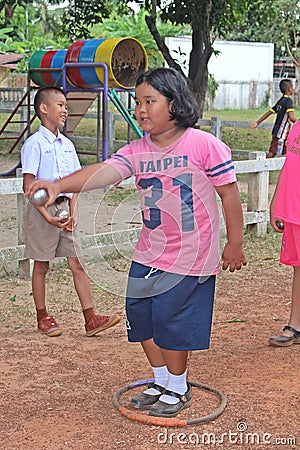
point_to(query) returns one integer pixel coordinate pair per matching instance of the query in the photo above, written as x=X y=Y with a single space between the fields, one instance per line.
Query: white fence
x=255 y=218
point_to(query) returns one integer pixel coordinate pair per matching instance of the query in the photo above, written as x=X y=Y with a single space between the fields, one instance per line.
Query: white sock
x=160 y=378
x=176 y=383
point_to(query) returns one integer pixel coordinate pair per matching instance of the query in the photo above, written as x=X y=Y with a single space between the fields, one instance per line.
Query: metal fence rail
x=255 y=218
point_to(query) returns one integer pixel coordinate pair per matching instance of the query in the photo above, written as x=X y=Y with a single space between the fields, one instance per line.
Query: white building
x=243 y=70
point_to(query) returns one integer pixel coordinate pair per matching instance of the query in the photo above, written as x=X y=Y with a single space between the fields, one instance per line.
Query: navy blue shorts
x=175 y=310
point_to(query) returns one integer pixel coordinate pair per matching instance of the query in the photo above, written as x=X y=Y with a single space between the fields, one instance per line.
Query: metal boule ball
x=280 y=224
x=62 y=213
x=39 y=198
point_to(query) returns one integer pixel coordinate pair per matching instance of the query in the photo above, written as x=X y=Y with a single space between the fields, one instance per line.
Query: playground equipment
x=125 y=58
x=87 y=70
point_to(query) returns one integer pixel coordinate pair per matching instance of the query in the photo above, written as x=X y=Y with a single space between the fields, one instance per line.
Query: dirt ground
x=57 y=393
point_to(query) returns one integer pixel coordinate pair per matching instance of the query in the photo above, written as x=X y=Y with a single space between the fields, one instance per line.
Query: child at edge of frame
x=285 y=219
x=48 y=154
x=171 y=283
x=284 y=111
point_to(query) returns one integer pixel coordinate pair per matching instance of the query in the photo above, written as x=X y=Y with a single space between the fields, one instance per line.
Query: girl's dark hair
x=41 y=97
x=173 y=86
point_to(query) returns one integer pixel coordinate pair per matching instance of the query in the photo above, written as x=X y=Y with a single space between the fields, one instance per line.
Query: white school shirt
x=49 y=157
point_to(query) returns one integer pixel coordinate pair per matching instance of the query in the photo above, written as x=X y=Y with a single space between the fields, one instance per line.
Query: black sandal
x=145 y=401
x=285 y=341
x=162 y=409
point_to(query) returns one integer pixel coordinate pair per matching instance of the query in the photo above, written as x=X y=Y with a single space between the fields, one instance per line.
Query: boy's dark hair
x=284 y=85
x=173 y=86
x=41 y=97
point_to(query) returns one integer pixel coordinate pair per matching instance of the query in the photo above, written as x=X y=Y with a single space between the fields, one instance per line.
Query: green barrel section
x=35 y=63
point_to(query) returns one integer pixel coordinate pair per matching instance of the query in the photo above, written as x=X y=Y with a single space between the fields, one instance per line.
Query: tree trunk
x=198 y=72
x=201 y=49
x=297 y=86
x=9 y=10
x=151 y=23
x=201 y=52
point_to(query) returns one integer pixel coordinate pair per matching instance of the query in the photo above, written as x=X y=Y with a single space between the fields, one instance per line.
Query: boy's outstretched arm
x=261 y=119
x=233 y=255
x=94 y=176
x=292 y=116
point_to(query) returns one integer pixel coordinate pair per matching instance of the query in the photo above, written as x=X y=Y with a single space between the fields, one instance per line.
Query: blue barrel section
x=57 y=62
x=87 y=55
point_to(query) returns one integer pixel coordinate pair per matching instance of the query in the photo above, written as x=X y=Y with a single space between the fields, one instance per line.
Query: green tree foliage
x=28 y=19
x=31 y=27
x=258 y=24
x=8 y=7
x=288 y=32
x=288 y=27
x=274 y=21
x=208 y=19
x=82 y=14
x=134 y=25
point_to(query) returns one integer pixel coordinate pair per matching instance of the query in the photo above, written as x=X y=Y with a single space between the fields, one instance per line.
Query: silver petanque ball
x=39 y=198
x=280 y=224
x=62 y=213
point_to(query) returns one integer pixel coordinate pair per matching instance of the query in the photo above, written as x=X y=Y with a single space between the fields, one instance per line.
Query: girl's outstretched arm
x=233 y=254
x=94 y=176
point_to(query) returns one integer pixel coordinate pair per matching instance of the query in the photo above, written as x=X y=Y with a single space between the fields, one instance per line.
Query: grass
x=262 y=248
x=117 y=194
x=235 y=138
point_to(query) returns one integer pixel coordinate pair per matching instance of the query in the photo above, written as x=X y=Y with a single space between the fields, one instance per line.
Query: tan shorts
x=43 y=241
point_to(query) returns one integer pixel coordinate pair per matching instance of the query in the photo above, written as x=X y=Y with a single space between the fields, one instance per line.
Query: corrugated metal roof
x=8 y=58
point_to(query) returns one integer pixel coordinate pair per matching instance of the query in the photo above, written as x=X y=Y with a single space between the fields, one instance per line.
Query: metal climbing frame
x=76 y=96
x=11 y=119
x=106 y=93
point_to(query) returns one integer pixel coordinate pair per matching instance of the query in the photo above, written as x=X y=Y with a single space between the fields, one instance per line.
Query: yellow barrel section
x=126 y=60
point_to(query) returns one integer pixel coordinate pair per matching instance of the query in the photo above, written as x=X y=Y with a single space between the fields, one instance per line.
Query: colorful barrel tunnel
x=126 y=60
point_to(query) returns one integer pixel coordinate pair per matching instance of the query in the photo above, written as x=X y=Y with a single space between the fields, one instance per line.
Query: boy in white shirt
x=49 y=155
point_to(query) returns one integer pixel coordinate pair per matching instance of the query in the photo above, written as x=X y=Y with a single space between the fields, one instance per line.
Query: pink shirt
x=287 y=206
x=180 y=232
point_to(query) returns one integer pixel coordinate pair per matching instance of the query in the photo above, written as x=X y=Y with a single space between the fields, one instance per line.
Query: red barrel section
x=46 y=64
x=72 y=56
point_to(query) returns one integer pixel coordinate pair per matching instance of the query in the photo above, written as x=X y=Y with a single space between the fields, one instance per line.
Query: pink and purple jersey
x=180 y=232
x=287 y=206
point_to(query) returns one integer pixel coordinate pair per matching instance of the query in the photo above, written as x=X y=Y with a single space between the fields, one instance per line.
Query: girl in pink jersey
x=285 y=210
x=178 y=172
